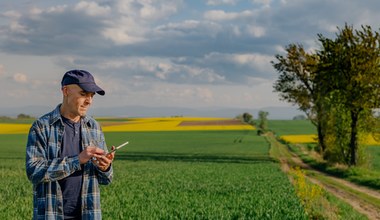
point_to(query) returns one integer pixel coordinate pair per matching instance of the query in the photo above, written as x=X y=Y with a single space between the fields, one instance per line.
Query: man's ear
x=65 y=90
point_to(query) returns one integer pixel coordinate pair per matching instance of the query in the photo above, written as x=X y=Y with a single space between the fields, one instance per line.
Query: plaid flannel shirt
x=44 y=167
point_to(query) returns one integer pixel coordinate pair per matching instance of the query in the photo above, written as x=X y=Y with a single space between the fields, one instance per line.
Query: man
x=66 y=155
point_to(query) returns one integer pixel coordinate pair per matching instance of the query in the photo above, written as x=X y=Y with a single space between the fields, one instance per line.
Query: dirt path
x=346 y=192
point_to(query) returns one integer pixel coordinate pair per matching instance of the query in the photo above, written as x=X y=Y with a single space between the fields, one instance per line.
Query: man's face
x=77 y=100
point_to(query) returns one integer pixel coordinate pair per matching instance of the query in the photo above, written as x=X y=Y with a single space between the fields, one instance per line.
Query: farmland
x=302 y=131
x=217 y=172
x=362 y=196
x=209 y=173
x=374 y=151
x=291 y=127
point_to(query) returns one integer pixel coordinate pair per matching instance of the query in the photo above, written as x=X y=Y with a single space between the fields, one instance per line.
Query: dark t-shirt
x=72 y=185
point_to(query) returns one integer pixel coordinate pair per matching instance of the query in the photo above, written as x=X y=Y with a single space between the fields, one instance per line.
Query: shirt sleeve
x=39 y=168
x=104 y=177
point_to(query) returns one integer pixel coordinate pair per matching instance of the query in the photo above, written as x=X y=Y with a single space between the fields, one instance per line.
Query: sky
x=162 y=53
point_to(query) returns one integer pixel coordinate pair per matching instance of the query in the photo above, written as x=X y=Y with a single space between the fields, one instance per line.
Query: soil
x=364 y=207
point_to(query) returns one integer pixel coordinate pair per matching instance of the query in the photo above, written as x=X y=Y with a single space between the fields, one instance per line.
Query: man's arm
x=41 y=168
x=104 y=167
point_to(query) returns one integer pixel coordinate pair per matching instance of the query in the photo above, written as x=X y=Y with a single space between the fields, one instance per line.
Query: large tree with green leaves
x=297 y=85
x=337 y=87
x=351 y=65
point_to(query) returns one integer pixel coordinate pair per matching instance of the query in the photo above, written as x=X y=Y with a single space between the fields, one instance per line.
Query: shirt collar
x=56 y=116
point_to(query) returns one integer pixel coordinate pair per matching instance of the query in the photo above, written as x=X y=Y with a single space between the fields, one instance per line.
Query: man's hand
x=90 y=152
x=105 y=160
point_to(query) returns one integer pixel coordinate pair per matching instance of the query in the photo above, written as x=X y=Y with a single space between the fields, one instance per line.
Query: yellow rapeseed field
x=305 y=138
x=7 y=128
x=312 y=138
x=174 y=124
x=369 y=140
x=149 y=124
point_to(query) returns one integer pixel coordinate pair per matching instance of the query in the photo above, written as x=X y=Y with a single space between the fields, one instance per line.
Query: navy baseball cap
x=83 y=79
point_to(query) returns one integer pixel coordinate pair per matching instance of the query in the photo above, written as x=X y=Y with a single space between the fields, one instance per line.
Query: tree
x=23 y=116
x=337 y=87
x=297 y=84
x=351 y=64
x=247 y=117
x=299 y=117
x=263 y=121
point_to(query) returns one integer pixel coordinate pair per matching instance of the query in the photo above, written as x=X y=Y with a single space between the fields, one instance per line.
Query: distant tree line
x=262 y=124
x=19 y=116
x=246 y=118
x=24 y=116
x=299 y=117
x=338 y=87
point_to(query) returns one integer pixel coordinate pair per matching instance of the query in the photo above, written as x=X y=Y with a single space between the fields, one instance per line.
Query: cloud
x=92 y=8
x=20 y=78
x=146 y=27
x=257 y=61
x=54 y=30
x=2 y=70
x=233 y=68
x=256 y=31
x=125 y=31
x=205 y=95
x=221 y=2
x=132 y=21
x=200 y=93
x=14 y=25
x=167 y=50
x=220 y=15
x=189 y=29
x=11 y=14
x=154 y=69
x=213 y=68
x=16 y=94
x=264 y=2
x=147 y=10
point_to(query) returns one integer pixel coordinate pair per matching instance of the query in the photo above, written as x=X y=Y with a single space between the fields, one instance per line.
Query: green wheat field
x=173 y=175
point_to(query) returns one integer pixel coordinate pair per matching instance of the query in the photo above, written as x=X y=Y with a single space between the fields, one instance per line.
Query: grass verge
x=318 y=203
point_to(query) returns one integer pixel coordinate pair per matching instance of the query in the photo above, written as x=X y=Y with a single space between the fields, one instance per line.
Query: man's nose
x=89 y=99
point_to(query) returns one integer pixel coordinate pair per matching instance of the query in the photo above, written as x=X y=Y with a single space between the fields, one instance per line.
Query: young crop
x=201 y=190
x=173 y=175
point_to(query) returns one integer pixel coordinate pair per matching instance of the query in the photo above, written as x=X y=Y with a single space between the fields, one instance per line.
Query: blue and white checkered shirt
x=44 y=167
